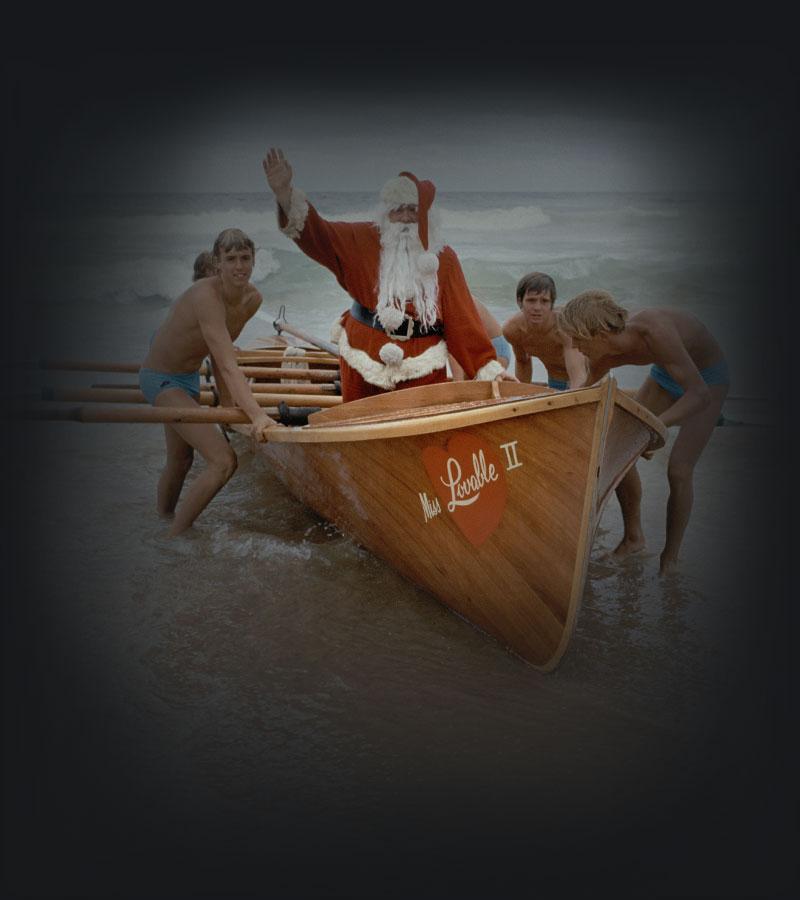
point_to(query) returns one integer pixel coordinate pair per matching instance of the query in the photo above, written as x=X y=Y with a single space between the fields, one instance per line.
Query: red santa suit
x=374 y=360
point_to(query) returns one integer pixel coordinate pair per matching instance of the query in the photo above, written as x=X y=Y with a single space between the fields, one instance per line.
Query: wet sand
x=263 y=707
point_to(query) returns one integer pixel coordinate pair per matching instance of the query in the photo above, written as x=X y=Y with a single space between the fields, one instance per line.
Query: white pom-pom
x=427 y=263
x=391 y=317
x=391 y=354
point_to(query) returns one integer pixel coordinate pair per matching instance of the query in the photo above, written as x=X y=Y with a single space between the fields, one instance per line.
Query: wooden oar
x=274 y=343
x=256 y=388
x=329 y=375
x=280 y=325
x=270 y=356
x=323 y=345
x=112 y=395
x=221 y=415
x=85 y=365
x=274 y=388
x=80 y=365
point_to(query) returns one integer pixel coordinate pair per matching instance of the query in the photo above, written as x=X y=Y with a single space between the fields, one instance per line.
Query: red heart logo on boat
x=470 y=482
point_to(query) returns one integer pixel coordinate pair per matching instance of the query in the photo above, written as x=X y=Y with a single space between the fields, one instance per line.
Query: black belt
x=367 y=317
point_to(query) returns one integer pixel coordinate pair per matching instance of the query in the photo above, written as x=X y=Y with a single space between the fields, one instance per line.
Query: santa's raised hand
x=279 y=175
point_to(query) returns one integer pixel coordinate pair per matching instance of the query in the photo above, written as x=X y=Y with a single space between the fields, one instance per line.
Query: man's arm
x=224 y=395
x=523 y=366
x=575 y=363
x=339 y=246
x=254 y=300
x=596 y=369
x=211 y=319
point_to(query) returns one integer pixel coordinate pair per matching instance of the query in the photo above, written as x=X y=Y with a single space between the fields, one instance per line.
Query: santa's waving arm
x=335 y=245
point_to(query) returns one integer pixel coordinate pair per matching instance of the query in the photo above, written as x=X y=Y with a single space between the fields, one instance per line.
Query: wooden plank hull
x=487 y=502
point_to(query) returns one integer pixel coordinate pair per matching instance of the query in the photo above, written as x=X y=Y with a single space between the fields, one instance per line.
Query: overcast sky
x=152 y=124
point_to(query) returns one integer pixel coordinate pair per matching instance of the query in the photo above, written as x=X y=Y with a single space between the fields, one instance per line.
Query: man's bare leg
x=629 y=494
x=217 y=453
x=629 y=491
x=692 y=438
x=180 y=456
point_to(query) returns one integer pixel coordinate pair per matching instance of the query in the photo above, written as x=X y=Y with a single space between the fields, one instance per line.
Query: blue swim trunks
x=556 y=384
x=152 y=383
x=716 y=374
x=502 y=347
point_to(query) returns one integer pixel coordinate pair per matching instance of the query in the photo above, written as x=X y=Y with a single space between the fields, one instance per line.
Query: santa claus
x=411 y=304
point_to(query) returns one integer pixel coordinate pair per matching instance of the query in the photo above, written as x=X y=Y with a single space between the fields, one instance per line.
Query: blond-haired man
x=686 y=386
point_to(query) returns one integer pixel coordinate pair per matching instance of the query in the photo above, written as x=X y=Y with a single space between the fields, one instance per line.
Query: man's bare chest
x=543 y=346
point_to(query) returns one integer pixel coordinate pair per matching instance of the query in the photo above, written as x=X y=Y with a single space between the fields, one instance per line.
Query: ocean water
x=262 y=706
x=688 y=251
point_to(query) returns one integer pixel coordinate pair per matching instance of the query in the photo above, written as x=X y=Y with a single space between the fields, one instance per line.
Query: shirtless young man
x=500 y=344
x=203 y=320
x=687 y=385
x=533 y=332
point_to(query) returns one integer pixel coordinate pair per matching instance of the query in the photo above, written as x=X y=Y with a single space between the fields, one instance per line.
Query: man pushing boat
x=204 y=320
x=411 y=304
x=686 y=386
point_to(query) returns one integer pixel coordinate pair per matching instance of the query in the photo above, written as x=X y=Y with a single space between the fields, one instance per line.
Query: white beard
x=399 y=281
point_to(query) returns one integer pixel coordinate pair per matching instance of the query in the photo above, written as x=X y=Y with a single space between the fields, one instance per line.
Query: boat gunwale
x=632 y=405
x=442 y=420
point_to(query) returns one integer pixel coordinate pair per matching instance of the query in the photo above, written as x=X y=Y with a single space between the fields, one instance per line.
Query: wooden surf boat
x=485 y=494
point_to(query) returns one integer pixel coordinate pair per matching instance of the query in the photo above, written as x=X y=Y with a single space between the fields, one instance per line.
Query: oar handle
x=280 y=325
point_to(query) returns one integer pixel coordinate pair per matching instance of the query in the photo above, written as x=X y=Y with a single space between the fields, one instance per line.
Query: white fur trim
x=391 y=354
x=388 y=377
x=399 y=191
x=297 y=215
x=336 y=330
x=490 y=371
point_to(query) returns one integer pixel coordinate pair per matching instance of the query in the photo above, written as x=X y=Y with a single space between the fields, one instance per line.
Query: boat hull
x=489 y=504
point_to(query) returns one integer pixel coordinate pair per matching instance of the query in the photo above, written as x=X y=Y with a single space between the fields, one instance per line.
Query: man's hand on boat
x=505 y=375
x=651 y=447
x=261 y=426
